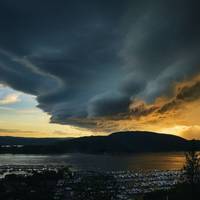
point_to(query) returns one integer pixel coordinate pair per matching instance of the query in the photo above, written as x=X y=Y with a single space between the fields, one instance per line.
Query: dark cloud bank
x=89 y=59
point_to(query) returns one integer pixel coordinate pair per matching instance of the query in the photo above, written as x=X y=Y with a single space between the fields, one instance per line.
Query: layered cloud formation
x=96 y=64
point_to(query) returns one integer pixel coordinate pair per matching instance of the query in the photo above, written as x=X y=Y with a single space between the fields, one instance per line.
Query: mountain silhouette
x=120 y=142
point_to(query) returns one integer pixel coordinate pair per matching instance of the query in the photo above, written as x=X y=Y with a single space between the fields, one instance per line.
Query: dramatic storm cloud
x=87 y=61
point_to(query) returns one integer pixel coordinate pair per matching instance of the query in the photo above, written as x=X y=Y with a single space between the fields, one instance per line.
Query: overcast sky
x=93 y=67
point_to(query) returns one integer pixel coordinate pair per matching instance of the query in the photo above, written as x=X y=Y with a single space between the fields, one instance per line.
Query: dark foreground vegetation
x=182 y=192
x=39 y=186
x=58 y=185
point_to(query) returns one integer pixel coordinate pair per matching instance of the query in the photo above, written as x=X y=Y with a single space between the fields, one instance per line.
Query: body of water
x=144 y=161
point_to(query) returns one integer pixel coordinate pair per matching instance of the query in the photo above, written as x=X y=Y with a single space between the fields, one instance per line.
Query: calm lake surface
x=144 y=161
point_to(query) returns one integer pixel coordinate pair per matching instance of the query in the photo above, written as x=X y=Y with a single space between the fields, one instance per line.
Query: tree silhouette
x=192 y=165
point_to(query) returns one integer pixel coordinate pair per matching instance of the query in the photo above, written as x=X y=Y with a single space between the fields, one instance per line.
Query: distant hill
x=121 y=142
x=127 y=142
x=8 y=140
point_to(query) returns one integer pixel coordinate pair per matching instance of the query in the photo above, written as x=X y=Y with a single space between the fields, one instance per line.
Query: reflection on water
x=145 y=161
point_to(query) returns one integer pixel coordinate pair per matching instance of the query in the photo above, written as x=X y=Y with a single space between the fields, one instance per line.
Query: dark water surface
x=144 y=161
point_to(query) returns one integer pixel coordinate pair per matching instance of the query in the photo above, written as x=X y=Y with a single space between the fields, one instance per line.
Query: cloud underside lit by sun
x=177 y=114
x=95 y=67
